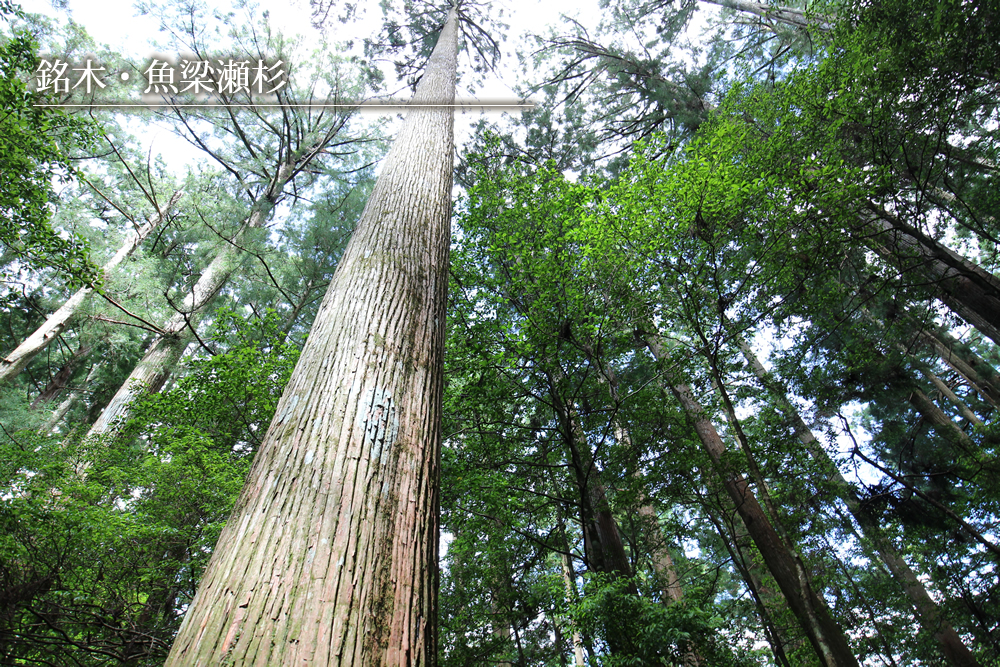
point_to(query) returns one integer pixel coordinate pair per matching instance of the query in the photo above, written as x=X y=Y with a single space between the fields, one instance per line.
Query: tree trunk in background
x=942 y=424
x=734 y=535
x=980 y=375
x=602 y=540
x=927 y=611
x=330 y=556
x=952 y=397
x=967 y=289
x=812 y=613
x=166 y=349
x=57 y=322
x=68 y=402
x=787 y=15
x=61 y=378
x=569 y=582
x=662 y=562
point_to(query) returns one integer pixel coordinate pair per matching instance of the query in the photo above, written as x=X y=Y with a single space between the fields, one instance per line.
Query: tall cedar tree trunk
x=966 y=288
x=160 y=358
x=330 y=556
x=810 y=610
x=928 y=613
x=57 y=322
x=787 y=15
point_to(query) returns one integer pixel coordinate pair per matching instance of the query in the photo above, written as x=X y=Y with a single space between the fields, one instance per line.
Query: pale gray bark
x=165 y=351
x=787 y=15
x=57 y=322
x=570 y=586
x=952 y=397
x=330 y=556
x=979 y=374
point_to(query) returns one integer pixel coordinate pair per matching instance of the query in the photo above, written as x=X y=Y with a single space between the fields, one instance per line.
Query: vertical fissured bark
x=330 y=556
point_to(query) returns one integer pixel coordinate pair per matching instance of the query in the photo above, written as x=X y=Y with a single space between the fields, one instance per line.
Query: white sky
x=115 y=23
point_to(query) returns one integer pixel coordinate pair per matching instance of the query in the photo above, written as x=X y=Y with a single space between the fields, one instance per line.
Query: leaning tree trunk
x=966 y=288
x=810 y=610
x=57 y=322
x=330 y=556
x=163 y=354
x=786 y=15
x=928 y=613
x=946 y=391
x=61 y=379
x=979 y=374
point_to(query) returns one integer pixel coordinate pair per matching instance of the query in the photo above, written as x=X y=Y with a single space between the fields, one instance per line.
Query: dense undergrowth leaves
x=104 y=540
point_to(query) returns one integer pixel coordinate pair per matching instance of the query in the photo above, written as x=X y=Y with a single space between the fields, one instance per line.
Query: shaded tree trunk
x=943 y=424
x=980 y=375
x=662 y=562
x=61 y=378
x=747 y=568
x=967 y=289
x=57 y=322
x=928 y=613
x=952 y=397
x=68 y=402
x=824 y=633
x=330 y=556
x=602 y=542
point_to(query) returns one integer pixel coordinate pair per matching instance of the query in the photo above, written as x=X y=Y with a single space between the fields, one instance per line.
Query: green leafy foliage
x=104 y=541
x=36 y=146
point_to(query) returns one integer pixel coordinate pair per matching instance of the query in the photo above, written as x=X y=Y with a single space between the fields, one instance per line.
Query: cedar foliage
x=820 y=188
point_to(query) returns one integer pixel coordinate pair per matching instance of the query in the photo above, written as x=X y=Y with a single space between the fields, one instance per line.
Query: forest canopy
x=718 y=321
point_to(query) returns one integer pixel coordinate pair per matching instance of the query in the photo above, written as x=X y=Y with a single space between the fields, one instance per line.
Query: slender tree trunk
x=602 y=540
x=824 y=633
x=748 y=571
x=501 y=630
x=68 y=402
x=928 y=613
x=61 y=378
x=57 y=322
x=980 y=375
x=787 y=15
x=569 y=581
x=160 y=359
x=330 y=556
x=952 y=397
x=943 y=424
x=663 y=564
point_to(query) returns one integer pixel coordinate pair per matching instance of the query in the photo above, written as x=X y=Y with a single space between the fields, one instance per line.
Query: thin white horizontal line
x=375 y=105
